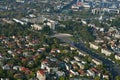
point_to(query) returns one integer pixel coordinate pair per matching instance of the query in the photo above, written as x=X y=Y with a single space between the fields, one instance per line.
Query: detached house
x=36 y=27
x=117 y=56
x=94 y=46
x=6 y=67
x=90 y=73
x=41 y=75
x=49 y=66
x=82 y=53
x=106 y=52
x=97 y=62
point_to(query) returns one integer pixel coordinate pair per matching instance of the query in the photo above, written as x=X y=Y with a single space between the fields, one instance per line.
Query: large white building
x=36 y=27
x=106 y=52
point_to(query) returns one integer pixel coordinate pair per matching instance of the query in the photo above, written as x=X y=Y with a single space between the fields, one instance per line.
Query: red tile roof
x=42 y=72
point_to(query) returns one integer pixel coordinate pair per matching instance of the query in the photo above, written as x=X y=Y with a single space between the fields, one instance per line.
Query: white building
x=86 y=5
x=49 y=66
x=20 y=1
x=36 y=27
x=6 y=67
x=90 y=73
x=106 y=52
x=80 y=65
x=82 y=53
x=97 y=62
x=19 y=21
x=117 y=56
x=17 y=67
x=51 y=23
x=76 y=58
x=93 y=46
x=116 y=35
x=60 y=73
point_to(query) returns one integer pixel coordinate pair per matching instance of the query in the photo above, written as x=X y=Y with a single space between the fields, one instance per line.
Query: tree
x=46 y=29
x=1 y=72
x=117 y=78
x=97 y=78
x=62 y=78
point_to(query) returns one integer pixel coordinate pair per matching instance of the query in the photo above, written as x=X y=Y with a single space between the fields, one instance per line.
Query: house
x=40 y=50
x=80 y=65
x=16 y=67
x=19 y=21
x=106 y=76
x=20 y=1
x=83 y=62
x=97 y=72
x=81 y=72
x=82 y=53
x=4 y=79
x=90 y=73
x=54 y=50
x=41 y=75
x=7 y=21
x=93 y=46
x=66 y=59
x=117 y=56
x=73 y=73
x=67 y=67
x=9 y=52
x=99 y=40
x=73 y=48
x=76 y=58
x=84 y=22
x=116 y=35
x=60 y=73
x=26 y=54
x=51 y=23
x=73 y=62
x=6 y=67
x=97 y=62
x=50 y=66
x=106 y=52
x=25 y=70
x=36 y=27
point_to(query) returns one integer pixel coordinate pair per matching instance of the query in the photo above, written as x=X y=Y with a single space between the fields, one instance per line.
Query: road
x=113 y=68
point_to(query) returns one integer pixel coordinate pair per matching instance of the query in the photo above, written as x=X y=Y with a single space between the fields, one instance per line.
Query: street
x=110 y=66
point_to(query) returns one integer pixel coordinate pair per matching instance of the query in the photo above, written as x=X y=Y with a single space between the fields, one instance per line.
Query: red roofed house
x=41 y=75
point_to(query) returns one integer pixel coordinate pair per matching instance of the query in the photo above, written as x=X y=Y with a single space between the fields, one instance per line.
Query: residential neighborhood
x=59 y=39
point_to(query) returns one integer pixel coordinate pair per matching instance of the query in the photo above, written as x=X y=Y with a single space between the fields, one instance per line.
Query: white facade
x=96 y=61
x=80 y=65
x=117 y=57
x=36 y=27
x=82 y=53
x=106 y=52
x=93 y=46
x=90 y=73
x=116 y=35
x=48 y=67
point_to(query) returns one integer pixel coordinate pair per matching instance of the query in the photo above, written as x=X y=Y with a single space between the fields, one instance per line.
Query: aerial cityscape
x=59 y=39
